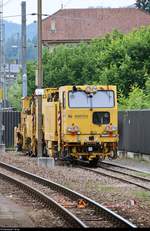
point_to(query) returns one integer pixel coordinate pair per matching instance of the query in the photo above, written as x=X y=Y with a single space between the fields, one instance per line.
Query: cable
x=12 y=16
x=19 y=15
x=66 y=17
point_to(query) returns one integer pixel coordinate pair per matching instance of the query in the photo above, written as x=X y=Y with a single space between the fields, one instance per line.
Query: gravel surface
x=34 y=213
x=130 y=171
x=88 y=215
x=132 y=177
x=142 y=165
x=127 y=200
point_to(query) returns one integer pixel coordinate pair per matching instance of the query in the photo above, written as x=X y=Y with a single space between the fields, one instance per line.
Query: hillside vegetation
x=13 y=42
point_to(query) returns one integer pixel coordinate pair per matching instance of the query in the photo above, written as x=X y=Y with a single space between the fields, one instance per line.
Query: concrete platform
x=11 y=215
x=133 y=160
x=134 y=156
x=46 y=162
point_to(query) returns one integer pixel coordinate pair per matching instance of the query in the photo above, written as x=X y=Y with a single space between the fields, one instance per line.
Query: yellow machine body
x=79 y=122
x=1 y=94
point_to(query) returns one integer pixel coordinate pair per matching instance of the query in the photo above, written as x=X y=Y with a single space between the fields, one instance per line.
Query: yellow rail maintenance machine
x=79 y=123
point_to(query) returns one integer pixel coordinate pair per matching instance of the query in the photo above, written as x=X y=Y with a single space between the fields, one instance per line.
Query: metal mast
x=24 y=47
x=1 y=48
x=1 y=68
x=40 y=79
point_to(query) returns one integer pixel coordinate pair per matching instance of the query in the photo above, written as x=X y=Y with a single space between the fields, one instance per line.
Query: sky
x=13 y=7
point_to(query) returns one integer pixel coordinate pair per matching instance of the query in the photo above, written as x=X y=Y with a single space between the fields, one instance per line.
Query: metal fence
x=134 y=131
x=10 y=121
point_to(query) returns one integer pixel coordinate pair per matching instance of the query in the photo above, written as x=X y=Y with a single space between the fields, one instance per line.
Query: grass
x=106 y=189
x=99 y=187
x=143 y=174
x=142 y=195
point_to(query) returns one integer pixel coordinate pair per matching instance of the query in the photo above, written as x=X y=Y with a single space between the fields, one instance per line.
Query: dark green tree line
x=116 y=59
x=143 y=4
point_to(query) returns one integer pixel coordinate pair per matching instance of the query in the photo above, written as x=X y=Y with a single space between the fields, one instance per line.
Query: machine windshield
x=100 y=99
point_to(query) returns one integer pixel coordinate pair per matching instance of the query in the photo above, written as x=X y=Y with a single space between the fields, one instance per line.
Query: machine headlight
x=111 y=128
x=69 y=129
x=73 y=129
x=94 y=89
x=114 y=128
x=76 y=128
x=88 y=89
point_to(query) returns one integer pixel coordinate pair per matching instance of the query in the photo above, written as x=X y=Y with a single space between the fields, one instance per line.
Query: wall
x=10 y=121
x=134 y=131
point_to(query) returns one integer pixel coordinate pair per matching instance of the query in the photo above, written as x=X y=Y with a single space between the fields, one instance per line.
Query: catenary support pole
x=24 y=48
x=39 y=81
x=1 y=68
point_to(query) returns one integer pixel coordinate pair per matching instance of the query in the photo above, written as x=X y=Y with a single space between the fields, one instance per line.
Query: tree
x=136 y=100
x=31 y=75
x=116 y=59
x=143 y=4
x=15 y=93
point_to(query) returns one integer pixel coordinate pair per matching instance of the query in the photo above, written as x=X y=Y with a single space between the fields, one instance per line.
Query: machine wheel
x=45 y=150
x=113 y=154
x=19 y=147
x=93 y=163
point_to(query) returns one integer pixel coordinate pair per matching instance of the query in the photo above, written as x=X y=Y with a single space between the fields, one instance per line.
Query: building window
x=53 y=26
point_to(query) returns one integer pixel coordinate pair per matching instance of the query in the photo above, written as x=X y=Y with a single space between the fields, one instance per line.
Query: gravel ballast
x=127 y=200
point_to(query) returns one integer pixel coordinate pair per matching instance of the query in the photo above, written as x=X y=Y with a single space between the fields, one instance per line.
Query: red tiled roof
x=84 y=24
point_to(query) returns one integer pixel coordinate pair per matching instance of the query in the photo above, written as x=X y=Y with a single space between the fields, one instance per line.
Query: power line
x=47 y=15
x=60 y=16
x=12 y=16
x=19 y=15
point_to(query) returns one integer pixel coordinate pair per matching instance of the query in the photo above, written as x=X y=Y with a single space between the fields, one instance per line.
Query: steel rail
x=49 y=202
x=72 y=194
x=123 y=167
x=126 y=174
x=116 y=177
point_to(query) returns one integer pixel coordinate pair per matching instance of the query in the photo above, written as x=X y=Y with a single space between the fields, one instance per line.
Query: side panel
x=50 y=121
x=29 y=126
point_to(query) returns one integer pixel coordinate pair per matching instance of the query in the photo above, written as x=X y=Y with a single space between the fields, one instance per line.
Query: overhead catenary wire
x=66 y=17
x=19 y=15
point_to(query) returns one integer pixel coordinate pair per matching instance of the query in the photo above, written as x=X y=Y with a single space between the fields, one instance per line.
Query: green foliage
x=116 y=59
x=15 y=91
x=143 y=4
x=15 y=94
x=31 y=73
x=135 y=100
x=69 y=65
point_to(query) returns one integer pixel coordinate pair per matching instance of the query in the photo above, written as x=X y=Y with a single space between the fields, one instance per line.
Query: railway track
x=75 y=208
x=124 y=174
x=117 y=166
